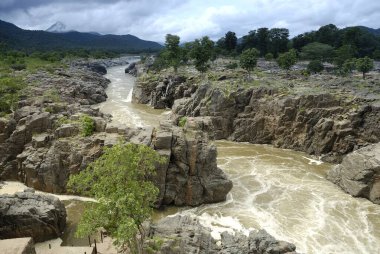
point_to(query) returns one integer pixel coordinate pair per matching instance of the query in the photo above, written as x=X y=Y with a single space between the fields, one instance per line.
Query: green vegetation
x=87 y=125
x=9 y=92
x=173 y=51
x=317 y=51
x=315 y=66
x=119 y=181
x=268 y=56
x=287 y=60
x=364 y=65
x=248 y=59
x=348 y=66
x=201 y=52
x=182 y=121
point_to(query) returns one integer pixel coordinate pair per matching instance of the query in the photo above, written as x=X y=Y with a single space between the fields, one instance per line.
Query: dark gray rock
x=185 y=234
x=192 y=176
x=26 y=214
x=359 y=173
x=98 y=68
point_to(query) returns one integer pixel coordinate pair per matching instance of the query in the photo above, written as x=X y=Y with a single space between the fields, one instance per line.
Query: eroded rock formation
x=26 y=214
x=185 y=234
x=359 y=173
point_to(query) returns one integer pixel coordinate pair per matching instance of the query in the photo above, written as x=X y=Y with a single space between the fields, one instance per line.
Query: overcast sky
x=153 y=19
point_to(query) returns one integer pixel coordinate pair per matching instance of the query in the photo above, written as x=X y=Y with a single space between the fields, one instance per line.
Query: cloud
x=153 y=19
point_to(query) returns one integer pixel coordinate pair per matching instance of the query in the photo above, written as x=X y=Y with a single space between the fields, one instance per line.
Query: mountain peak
x=57 y=27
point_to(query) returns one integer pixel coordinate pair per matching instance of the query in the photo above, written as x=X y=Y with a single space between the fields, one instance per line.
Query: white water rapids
x=281 y=191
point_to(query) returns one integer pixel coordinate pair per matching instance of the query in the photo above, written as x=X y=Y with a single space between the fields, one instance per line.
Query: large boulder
x=359 y=173
x=185 y=234
x=26 y=214
x=191 y=176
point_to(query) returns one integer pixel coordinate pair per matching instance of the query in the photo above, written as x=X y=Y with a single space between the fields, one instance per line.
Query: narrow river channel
x=282 y=191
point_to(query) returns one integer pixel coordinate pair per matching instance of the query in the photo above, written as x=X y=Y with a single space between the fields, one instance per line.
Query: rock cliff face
x=26 y=214
x=41 y=143
x=191 y=176
x=318 y=124
x=185 y=234
x=359 y=173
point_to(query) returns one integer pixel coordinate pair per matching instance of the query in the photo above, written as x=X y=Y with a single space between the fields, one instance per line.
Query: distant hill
x=370 y=30
x=21 y=39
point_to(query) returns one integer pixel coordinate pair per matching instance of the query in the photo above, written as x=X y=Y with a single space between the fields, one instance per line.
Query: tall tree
x=230 y=41
x=262 y=40
x=278 y=40
x=118 y=180
x=173 y=51
x=327 y=34
x=249 y=40
x=302 y=40
x=201 y=52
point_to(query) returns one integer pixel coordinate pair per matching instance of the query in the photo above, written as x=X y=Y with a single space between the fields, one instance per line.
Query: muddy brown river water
x=285 y=192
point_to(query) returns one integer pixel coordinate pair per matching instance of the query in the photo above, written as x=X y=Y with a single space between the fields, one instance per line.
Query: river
x=282 y=191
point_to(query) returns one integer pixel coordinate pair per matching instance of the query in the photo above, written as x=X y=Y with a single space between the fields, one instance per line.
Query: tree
x=364 y=65
x=287 y=60
x=269 y=56
x=376 y=54
x=249 y=40
x=315 y=66
x=262 y=40
x=201 y=52
x=348 y=66
x=173 y=51
x=343 y=54
x=327 y=34
x=278 y=40
x=119 y=181
x=317 y=51
x=248 y=59
x=303 y=39
x=230 y=41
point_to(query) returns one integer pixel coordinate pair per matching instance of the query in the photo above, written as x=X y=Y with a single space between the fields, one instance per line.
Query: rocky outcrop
x=26 y=214
x=191 y=176
x=162 y=94
x=41 y=143
x=185 y=234
x=359 y=173
x=318 y=124
x=131 y=69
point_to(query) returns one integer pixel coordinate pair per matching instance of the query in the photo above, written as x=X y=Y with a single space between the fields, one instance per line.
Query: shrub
x=315 y=66
x=268 y=56
x=87 y=125
x=182 y=121
x=232 y=66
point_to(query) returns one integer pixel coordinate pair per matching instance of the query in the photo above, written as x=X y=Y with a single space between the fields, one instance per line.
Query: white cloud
x=189 y=19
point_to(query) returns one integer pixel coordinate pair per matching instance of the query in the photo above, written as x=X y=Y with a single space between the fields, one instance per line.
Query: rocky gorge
x=318 y=117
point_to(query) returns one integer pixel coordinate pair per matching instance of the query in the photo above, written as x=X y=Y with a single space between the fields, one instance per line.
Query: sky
x=190 y=19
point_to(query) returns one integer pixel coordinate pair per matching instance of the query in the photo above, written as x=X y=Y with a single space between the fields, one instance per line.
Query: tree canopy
x=287 y=60
x=119 y=181
x=364 y=65
x=248 y=59
x=202 y=51
x=173 y=51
